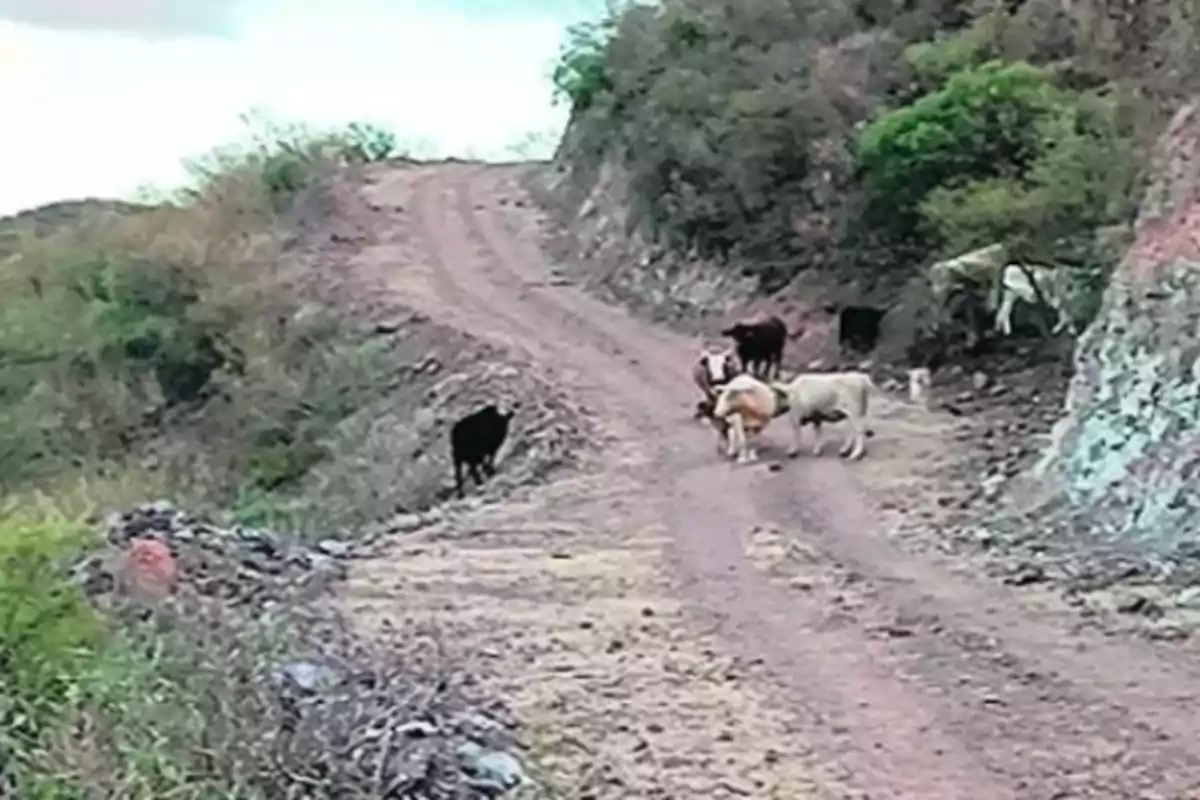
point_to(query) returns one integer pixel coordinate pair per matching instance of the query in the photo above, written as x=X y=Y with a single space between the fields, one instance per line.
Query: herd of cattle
x=742 y=393
x=742 y=390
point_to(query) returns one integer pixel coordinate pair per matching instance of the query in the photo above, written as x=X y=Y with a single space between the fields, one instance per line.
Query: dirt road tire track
x=913 y=682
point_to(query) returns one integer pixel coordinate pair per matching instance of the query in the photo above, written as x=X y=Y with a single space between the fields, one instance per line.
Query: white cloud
x=153 y=18
x=96 y=113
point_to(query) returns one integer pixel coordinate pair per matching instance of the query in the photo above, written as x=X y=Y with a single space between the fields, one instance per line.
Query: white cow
x=747 y=405
x=1005 y=283
x=977 y=268
x=1017 y=282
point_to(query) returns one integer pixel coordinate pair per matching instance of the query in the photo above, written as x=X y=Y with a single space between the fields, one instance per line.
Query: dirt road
x=685 y=628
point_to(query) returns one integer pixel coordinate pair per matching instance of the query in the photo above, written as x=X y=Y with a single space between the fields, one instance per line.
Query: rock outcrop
x=1127 y=451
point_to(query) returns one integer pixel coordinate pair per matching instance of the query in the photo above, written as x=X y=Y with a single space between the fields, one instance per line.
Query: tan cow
x=747 y=405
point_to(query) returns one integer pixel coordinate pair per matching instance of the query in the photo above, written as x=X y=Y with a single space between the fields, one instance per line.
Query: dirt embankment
x=670 y=626
x=392 y=456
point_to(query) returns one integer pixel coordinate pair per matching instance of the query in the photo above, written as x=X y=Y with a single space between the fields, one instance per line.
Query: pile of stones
x=348 y=717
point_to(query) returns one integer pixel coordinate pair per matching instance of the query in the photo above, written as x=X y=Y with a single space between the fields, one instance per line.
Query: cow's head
x=506 y=409
x=719 y=367
x=736 y=331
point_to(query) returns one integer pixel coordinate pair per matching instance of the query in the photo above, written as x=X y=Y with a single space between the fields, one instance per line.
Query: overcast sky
x=100 y=98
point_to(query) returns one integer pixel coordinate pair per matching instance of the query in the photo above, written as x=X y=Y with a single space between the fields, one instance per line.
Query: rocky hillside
x=1128 y=451
x=729 y=158
x=823 y=155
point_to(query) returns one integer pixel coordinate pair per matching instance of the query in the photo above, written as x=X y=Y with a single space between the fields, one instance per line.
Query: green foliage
x=143 y=702
x=170 y=704
x=868 y=136
x=934 y=62
x=983 y=124
x=999 y=154
x=282 y=454
x=177 y=710
x=1083 y=178
x=981 y=212
x=118 y=329
x=288 y=157
x=48 y=632
x=580 y=74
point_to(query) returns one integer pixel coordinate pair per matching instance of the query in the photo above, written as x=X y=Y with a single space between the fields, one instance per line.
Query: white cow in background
x=1004 y=283
x=1025 y=282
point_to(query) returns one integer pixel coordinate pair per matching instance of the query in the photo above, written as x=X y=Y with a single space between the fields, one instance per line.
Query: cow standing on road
x=474 y=442
x=759 y=345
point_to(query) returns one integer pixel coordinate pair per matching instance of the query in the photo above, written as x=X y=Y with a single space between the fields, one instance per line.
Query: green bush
x=983 y=124
x=142 y=702
x=172 y=705
x=1083 y=179
x=170 y=327
x=49 y=635
x=289 y=157
x=580 y=75
x=999 y=154
x=934 y=62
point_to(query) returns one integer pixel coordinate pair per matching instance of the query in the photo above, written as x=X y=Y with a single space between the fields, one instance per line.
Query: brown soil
x=676 y=627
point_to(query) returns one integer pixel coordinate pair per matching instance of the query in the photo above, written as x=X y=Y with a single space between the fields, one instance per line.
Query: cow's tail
x=869 y=388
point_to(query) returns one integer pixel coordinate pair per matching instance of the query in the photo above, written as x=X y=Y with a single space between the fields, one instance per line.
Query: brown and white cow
x=710 y=372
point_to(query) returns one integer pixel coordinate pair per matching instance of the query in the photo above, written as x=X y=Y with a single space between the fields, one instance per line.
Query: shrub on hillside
x=48 y=632
x=983 y=124
x=713 y=110
x=999 y=154
x=580 y=75
x=737 y=122
x=178 y=319
x=143 y=703
x=284 y=158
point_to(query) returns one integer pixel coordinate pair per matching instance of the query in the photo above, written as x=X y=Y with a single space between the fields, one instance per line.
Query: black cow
x=859 y=327
x=474 y=440
x=759 y=345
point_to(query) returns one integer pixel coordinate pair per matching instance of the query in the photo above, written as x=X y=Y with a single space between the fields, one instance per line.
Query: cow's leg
x=1004 y=314
x=750 y=450
x=737 y=439
x=489 y=464
x=856 y=444
x=818 y=440
x=731 y=436
x=475 y=476
x=797 y=433
x=458 y=478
